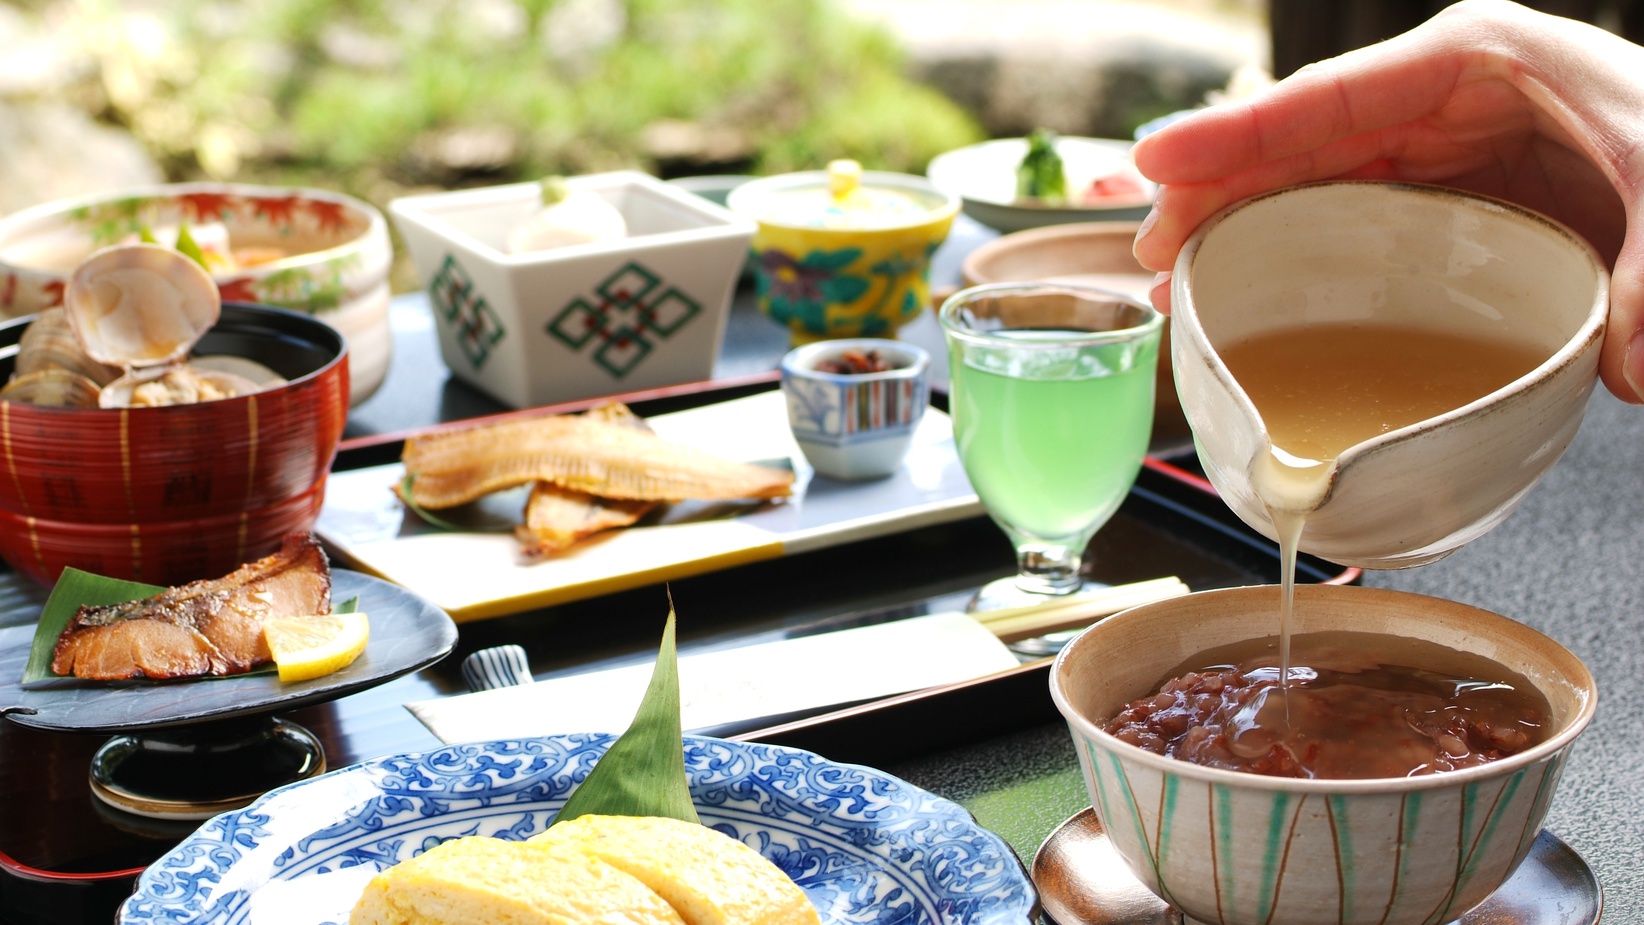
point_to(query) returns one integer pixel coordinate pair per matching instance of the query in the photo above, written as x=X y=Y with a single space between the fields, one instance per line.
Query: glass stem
x=1044 y=568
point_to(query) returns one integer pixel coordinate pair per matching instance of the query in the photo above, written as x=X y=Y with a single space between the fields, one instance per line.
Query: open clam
x=53 y=387
x=182 y=384
x=131 y=315
x=49 y=343
x=137 y=305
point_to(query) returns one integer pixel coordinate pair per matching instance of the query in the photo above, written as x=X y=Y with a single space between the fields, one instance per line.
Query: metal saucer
x=1083 y=881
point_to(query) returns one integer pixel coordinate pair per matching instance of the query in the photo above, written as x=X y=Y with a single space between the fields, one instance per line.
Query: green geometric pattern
x=623 y=318
x=478 y=327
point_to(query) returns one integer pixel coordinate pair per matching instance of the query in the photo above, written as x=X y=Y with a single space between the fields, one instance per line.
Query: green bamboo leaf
x=643 y=772
x=410 y=502
x=73 y=589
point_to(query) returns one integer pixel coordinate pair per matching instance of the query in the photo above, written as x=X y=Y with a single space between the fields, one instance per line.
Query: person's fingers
x=1361 y=92
x=1621 y=364
x=1179 y=209
x=1159 y=295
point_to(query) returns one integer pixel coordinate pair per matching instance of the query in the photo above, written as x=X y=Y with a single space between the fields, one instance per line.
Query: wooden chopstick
x=1079 y=610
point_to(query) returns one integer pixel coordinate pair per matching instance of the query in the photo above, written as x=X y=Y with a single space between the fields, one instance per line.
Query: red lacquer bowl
x=169 y=495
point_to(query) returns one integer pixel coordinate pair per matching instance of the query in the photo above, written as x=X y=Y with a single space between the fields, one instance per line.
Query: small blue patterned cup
x=855 y=425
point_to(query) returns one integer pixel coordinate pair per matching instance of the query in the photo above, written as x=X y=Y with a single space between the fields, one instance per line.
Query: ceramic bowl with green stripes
x=1243 y=849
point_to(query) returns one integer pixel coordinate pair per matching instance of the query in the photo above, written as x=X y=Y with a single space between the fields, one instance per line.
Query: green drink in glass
x=1051 y=393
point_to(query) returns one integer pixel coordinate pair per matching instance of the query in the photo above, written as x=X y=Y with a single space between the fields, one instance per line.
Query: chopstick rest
x=1076 y=611
x=498 y=666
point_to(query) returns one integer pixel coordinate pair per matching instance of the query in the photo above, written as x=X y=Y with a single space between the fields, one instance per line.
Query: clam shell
x=173 y=385
x=140 y=305
x=54 y=387
x=49 y=343
x=240 y=366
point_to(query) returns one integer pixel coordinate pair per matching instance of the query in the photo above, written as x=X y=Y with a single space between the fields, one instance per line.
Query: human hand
x=1488 y=96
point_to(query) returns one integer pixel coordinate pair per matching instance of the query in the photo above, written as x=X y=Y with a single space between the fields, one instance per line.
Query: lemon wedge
x=315 y=646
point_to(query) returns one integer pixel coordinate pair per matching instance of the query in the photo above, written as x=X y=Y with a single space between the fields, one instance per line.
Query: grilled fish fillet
x=202 y=628
x=558 y=518
x=579 y=453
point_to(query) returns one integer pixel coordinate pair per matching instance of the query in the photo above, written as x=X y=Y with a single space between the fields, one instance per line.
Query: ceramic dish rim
x=744 y=199
x=12 y=226
x=950 y=810
x=800 y=361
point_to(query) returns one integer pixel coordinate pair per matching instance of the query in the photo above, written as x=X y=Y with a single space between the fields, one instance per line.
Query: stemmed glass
x=1051 y=394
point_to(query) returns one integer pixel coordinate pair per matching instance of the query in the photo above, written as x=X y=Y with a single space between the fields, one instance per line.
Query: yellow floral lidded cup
x=844 y=252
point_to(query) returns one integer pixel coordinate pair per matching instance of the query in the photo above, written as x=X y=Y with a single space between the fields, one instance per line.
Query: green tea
x=1053 y=450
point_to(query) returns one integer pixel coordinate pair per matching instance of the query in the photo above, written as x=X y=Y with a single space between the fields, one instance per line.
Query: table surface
x=1569 y=562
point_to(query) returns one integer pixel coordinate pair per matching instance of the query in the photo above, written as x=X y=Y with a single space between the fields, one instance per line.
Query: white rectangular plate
x=481 y=574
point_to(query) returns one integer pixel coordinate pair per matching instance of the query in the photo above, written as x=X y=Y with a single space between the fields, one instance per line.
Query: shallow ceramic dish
x=856 y=425
x=1245 y=849
x=1416 y=256
x=865 y=846
x=170 y=494
x=407 y=633
x=642 y=311
x=335 y=268
x=984 y=177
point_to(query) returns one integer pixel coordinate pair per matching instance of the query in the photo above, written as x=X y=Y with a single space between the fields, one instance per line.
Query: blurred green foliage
x=373 y=96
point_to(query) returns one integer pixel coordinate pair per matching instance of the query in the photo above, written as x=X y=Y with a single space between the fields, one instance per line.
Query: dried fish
x=579 y=453
x=557 y=518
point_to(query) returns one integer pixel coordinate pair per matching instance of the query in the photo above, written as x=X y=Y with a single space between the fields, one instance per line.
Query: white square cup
x=644 y=311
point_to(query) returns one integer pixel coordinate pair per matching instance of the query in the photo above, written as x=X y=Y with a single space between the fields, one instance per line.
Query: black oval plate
x=407 y=633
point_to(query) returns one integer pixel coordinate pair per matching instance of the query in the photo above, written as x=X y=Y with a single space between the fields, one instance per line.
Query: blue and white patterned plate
x=865 y=846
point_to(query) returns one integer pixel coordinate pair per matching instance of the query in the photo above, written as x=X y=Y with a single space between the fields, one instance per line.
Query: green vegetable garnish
x=1040 y=175
x=188 y=247
x=554 y=190
x=643 y=772
x=145 y=234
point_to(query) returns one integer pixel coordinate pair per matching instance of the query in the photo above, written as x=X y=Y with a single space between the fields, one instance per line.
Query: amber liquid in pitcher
x=1321 y=389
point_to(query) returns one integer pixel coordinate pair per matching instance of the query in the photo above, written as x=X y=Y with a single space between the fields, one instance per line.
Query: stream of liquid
x=1323 y=389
